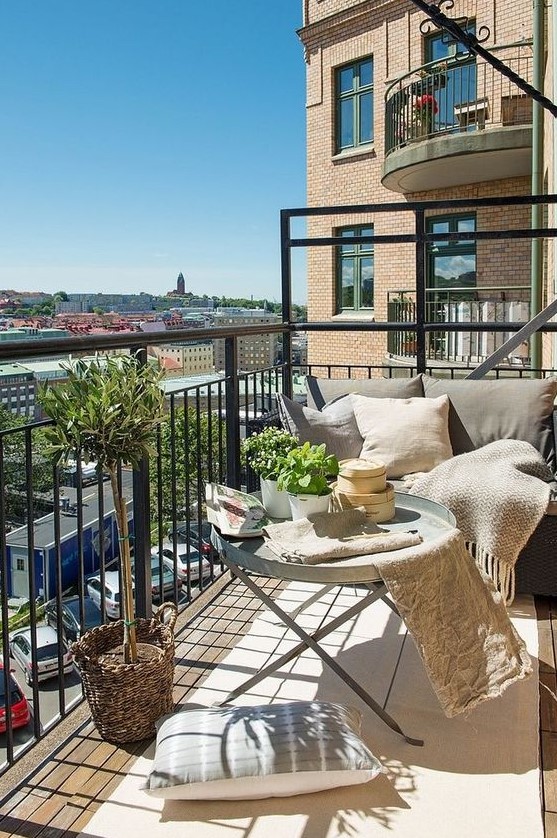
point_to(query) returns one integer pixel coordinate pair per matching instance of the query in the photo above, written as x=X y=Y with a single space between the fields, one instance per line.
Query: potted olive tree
x=263 y=453
x=107 y=411
x=304 y=474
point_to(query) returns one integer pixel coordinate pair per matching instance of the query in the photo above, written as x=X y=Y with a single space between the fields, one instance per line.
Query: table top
x=412 y=512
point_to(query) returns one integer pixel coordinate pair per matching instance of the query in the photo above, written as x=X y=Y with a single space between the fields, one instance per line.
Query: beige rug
x=475 y=777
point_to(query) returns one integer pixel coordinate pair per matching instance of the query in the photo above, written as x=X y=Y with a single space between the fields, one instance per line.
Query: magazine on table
x=234 y=512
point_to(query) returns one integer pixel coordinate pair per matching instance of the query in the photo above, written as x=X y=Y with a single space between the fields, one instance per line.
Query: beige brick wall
x=341 y=31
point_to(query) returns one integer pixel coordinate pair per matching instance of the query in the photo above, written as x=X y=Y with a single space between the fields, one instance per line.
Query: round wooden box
x=379 y=506
x=361 y=477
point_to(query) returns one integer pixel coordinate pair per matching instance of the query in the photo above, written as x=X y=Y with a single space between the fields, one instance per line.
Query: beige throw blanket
x=323 y=537
x=498 y=495
x=470 y=649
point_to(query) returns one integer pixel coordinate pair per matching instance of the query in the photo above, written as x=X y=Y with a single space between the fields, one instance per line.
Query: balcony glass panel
x=347 y=123
x=366 y=118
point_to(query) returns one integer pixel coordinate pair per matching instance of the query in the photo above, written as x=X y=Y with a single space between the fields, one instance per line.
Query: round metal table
x=248 y=558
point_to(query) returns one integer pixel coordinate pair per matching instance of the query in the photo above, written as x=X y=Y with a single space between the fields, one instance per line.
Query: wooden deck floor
x=59 y=796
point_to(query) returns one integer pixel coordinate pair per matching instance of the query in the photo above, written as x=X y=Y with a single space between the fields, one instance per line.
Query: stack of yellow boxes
x=364 y=483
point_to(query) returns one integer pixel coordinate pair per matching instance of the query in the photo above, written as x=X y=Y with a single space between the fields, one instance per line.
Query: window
x=452 y=264
x=354 y=105
x=355 y=271
x=459 y=80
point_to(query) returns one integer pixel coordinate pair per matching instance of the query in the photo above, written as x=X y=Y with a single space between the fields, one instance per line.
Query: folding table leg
x=310 y=641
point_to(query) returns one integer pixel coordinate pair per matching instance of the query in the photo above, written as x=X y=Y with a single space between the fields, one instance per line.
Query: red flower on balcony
x=427 y=102
x=425 y=108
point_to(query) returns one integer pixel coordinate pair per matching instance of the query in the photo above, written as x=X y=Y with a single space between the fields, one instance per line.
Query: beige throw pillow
x=408 y=435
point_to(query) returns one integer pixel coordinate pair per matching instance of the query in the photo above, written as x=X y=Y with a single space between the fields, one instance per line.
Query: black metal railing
x=460 y=305
x=458 y=94
x=55 y=552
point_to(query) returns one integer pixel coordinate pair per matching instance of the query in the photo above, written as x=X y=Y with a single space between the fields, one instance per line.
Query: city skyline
x=142 y=141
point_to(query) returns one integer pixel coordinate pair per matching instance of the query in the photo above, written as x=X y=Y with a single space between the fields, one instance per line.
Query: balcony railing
x=48 y=550
x=460 y=305
x=457 y=95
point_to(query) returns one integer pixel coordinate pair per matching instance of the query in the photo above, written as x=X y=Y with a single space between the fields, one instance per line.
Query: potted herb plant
x=107 y=411
x=263 y=453
x=304 y=474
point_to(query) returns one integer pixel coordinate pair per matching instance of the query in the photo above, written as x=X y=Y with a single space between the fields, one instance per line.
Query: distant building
x=17 y=389
x=181 y=284
x=32 y=333
x=257 y=352
x=186 y=358
x=120 y=303
x=202 y=302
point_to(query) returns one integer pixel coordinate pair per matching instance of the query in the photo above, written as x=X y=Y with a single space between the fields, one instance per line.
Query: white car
x=46 y=665
x=187 y=564
x=111 y=592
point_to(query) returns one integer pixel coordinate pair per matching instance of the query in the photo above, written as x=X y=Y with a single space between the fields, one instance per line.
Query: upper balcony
x=457 y=122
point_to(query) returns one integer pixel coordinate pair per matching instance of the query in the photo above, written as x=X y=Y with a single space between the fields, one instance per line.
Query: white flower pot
x=304 y=505
x=275 y=502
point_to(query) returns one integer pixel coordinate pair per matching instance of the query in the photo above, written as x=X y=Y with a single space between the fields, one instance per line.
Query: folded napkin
x=327 y=536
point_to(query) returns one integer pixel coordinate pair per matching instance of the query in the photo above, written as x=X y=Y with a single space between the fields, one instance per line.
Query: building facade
x=398 y=113
x=254 y=352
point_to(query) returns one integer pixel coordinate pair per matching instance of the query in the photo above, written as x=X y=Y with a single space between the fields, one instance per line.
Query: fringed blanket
x=498 y=495
x=470 y=649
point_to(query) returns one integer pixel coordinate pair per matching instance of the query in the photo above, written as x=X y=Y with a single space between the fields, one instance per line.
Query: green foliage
x=17 y=465
x=304 y=470
x=263 y=451
x=196 y=442
x=106 y=410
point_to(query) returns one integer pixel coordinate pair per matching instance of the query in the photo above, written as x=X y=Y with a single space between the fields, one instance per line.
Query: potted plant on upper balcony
x=304 y=473
x=107 y=412
x=425 y=108
x=263 y=453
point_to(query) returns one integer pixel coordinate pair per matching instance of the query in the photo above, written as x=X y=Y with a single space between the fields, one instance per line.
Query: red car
x=21 y=714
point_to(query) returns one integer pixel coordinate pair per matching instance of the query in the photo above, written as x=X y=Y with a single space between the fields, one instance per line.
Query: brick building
x=397 y=114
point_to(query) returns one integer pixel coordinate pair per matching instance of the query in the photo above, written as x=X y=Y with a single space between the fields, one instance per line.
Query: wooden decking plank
x=60 y=799
x=548 y=702
x=550 y=824
x=549 y=770
x=546 y=653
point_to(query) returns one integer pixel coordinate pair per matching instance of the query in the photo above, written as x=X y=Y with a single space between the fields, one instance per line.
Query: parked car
x=46 y=665
x=71 y=626
x=187 y=565
x=111 y=592
x=196 y=539
x=19 y=709
x=167 y=576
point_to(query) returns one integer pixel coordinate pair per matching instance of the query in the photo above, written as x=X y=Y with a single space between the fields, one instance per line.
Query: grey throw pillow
x=484 y=411
x=245 y=753
x=321 y=391
x=335 y=425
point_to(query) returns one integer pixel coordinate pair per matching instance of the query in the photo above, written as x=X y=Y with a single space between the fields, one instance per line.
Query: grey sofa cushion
x=488 y=410
x=335 y=425
x=320 y=391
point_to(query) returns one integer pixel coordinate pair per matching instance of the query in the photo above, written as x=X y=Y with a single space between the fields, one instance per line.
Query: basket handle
x=160 y=614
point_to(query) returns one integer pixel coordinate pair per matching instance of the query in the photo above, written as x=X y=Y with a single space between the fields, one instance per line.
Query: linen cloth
x=470 y=649
x=325 y=537
x=498 y=495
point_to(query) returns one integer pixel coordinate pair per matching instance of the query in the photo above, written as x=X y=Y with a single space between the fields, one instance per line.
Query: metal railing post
x=232 y=408
x=420 y=291
x=141 y=529
x=286 y=279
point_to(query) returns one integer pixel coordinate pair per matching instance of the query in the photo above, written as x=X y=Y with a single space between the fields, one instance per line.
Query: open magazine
x=234 y=512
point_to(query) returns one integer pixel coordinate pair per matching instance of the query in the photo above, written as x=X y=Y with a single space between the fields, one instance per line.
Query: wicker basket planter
x=126 y=699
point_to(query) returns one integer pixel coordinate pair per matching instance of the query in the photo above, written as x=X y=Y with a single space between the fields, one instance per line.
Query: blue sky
x=141 y=138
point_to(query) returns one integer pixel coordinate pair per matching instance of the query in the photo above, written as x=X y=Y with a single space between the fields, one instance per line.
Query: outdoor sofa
x=479 y=412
